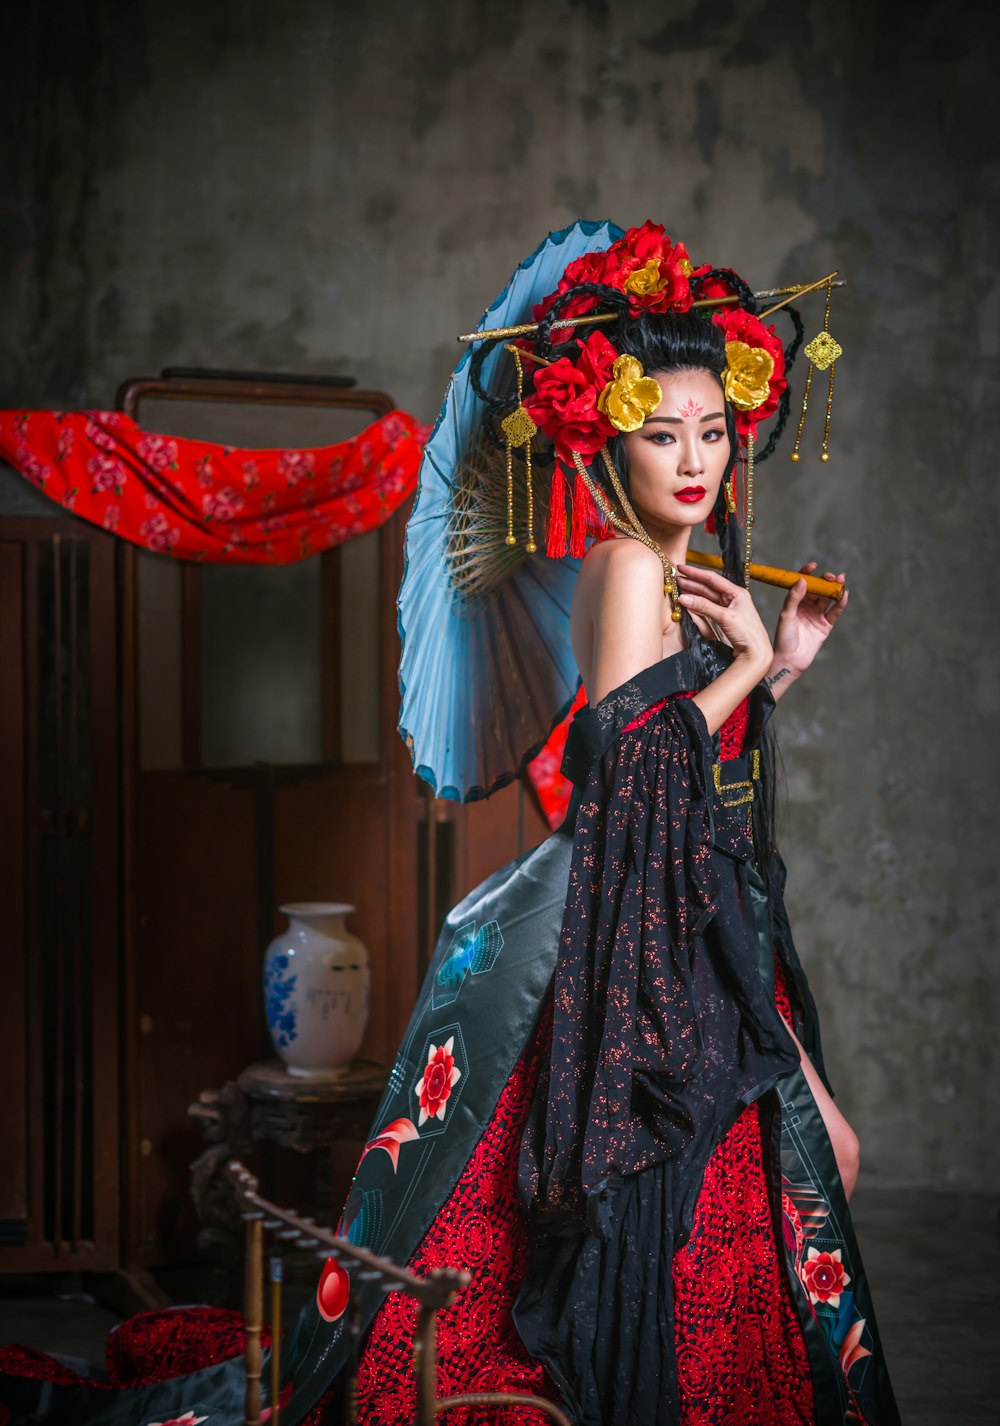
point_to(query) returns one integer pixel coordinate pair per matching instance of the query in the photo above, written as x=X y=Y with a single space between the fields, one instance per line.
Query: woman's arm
x=624 y=590
x=623 y=586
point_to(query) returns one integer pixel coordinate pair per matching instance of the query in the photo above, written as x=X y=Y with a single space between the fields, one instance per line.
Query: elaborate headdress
x=521 y=446
x=584 y=389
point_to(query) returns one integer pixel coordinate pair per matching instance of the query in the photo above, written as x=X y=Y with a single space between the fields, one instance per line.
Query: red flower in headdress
x=564 y=402
x=655 y=272
x=644 y=263
x=601 y=267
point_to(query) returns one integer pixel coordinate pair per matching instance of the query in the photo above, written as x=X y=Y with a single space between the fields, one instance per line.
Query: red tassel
x=710 y=524
x=578 y=528
x=555 y=544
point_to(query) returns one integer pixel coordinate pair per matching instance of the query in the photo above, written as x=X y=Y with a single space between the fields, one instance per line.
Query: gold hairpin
x=525 y=329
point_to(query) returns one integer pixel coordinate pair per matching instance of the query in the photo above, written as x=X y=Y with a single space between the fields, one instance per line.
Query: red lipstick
x=690 y=494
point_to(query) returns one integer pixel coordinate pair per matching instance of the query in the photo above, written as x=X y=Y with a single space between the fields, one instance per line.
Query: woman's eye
x=660 y=438
x=714 y=435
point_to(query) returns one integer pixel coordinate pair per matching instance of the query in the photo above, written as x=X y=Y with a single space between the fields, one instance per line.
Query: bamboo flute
x=769 y=574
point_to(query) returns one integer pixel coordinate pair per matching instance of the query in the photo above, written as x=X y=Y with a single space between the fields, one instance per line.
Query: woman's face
x=677 y=458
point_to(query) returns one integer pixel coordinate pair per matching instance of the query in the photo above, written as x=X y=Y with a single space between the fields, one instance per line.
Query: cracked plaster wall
x=324 y=187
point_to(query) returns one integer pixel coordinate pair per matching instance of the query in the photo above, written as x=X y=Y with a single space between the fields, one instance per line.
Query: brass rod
x=277 y=1273
x=811 y=288
x=502 y=1398
x=424 y=1350
x=509 y=347
x=254 y=1313
x=524 y=329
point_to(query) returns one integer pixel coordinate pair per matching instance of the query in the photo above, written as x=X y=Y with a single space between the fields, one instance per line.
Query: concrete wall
x=332 y=187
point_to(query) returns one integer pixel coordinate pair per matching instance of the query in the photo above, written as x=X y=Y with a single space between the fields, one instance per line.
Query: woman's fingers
x=708 y=577
x=838 y=607
x=700 y=604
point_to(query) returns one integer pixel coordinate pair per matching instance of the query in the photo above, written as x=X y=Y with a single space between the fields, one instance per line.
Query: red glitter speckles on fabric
x=482 y=1229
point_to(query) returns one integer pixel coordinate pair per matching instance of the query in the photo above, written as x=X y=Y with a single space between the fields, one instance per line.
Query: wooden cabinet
x=182 y=749
x=164 y=792
x=60 y=892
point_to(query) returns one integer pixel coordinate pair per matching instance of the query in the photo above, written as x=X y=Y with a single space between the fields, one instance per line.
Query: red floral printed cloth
x=199 y=501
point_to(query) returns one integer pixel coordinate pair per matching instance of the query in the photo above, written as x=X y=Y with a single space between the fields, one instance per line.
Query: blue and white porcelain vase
x=316 y=990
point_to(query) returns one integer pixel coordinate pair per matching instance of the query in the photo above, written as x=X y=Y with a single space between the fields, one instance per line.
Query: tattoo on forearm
x=774 y=678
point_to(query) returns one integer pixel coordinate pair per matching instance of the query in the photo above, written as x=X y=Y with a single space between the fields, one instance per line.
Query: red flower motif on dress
x=564 y=402
x=98 y=436
x=112 y=515
x=296 y=465
x=824 y=1277
x=32 y=467
x=400 y=1131
x=222 y=504
x=158 y=452
x=188 y=1419
x=333 y=1291
x=158 y=534
x=108 y=473
x=440 y=1074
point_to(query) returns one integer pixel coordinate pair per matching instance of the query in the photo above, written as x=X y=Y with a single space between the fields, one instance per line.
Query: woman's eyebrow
x=676 y=420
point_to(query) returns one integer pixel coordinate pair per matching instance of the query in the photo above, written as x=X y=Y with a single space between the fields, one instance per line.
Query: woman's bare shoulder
x=620 y=564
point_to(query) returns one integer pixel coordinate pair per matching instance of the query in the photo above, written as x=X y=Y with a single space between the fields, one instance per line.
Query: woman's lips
x=691 y=494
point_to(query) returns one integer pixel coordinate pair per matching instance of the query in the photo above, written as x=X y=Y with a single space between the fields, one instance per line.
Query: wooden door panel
x=14 y=1204
x=59 y=1191
x=200 y=1019
x=331 y=844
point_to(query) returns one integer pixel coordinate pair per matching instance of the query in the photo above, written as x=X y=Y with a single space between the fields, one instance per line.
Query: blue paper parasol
x=487 y=669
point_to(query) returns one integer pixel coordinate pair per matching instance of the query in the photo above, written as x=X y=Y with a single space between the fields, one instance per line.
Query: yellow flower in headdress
x=746 y=379
x=647 y=280
x=654 y=277
x=630 y=397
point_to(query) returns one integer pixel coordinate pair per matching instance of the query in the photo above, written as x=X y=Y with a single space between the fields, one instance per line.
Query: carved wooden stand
x=267 y=1103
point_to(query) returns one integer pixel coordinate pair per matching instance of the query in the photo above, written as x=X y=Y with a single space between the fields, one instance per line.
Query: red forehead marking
x=690 y=408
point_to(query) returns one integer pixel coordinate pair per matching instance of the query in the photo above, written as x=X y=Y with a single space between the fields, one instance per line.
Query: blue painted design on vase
x=278 y=987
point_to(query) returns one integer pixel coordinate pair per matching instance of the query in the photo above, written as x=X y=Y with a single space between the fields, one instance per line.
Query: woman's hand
x=731 y=608
x=804 y=625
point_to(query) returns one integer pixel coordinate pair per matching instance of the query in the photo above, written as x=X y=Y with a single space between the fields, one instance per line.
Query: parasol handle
x=767 y=574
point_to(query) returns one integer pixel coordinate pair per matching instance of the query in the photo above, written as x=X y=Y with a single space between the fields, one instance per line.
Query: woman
x=649 y=1076
x=609 y=1105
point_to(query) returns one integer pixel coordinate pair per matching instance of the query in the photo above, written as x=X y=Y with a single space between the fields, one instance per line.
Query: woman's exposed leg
x=846 y=1148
